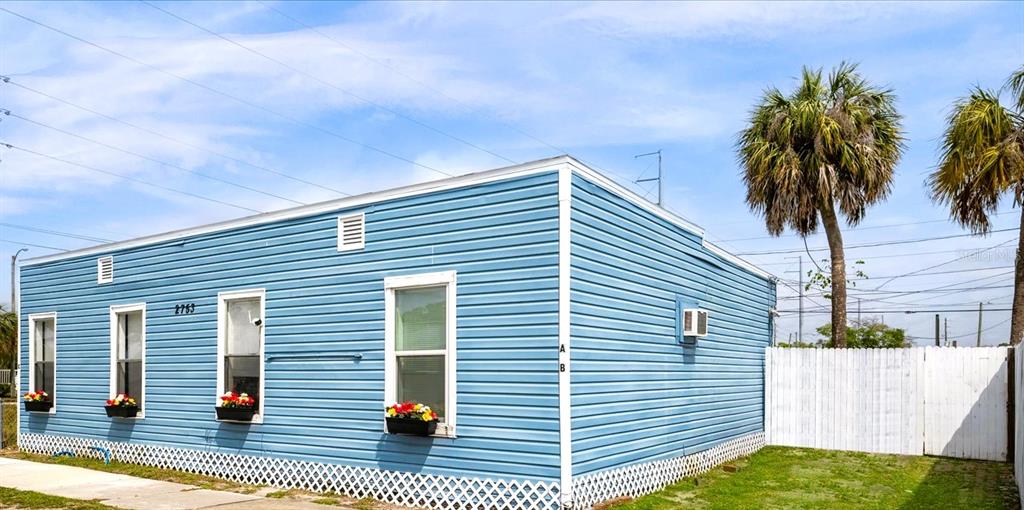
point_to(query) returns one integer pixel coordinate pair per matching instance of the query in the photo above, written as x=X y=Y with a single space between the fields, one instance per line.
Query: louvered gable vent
x=104 y=269
x=351 y=232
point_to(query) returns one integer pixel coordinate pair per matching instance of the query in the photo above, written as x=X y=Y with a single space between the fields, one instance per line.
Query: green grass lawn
x=10 y=429
x=10 y=498
x=778 y=477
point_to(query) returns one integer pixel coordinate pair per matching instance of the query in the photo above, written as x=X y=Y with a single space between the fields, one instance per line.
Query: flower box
x=411 y=426
x=235 y=413
x=122 y=411
x=38 y=406
x=236 y=407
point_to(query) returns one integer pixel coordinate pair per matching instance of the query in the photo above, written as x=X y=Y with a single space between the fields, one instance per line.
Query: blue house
x=578 y=343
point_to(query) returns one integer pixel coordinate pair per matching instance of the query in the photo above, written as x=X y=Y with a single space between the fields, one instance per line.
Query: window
x=43 y=355
x=420 y=343
x=128 y=352
x=240 y=349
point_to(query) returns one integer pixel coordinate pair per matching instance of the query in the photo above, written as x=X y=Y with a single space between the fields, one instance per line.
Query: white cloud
x=753 y=20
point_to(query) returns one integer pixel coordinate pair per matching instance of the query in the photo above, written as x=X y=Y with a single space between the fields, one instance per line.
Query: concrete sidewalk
x=123 y=491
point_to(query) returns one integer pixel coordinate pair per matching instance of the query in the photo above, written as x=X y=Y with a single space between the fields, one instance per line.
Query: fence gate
x=922 y=400
x=965 y=411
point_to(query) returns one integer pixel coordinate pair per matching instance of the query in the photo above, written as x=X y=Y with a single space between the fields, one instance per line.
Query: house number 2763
x=186 y=308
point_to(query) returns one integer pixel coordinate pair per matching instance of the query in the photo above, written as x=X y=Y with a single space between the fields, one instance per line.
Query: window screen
x=242 y=352
x=43 y=352
x=129 y=354
x=420 y=342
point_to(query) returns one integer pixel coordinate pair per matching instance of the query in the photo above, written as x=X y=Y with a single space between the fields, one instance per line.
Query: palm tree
x=827 y=148
x=983 y=159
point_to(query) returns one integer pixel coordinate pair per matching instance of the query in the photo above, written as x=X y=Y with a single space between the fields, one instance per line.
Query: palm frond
x=981 y=158
x=833 y=140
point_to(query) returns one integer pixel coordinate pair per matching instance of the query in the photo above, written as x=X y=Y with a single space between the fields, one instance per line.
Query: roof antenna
x=649 y=179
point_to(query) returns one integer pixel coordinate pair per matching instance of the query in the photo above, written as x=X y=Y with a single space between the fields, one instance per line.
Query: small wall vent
x=104 y=269
x=351 y=232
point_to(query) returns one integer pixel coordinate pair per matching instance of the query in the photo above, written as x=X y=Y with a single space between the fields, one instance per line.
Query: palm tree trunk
x=835 y=247
x=1017 y=318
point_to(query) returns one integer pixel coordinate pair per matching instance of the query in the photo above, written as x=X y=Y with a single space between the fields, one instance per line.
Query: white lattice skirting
x=408 y=489
x=640 y=479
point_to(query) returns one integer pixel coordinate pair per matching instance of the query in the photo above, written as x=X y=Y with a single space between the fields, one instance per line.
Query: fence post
x=1011 y=404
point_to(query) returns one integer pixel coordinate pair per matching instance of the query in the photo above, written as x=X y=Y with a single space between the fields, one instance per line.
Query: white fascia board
x=472 y=179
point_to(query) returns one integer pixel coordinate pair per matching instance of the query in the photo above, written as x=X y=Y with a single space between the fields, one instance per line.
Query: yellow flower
x=418 y=407
x=391 y=412
x=426 y=416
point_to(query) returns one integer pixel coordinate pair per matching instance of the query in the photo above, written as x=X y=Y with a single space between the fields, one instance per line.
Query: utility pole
x=14 y=308
x=945 y=330
x=658 y=178
x=859 y=324
x=937 y=344
x=14 y=261
x=801 y=320
x=981 y=308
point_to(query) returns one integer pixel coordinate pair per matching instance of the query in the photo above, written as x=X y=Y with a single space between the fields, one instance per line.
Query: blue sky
x=460 y=87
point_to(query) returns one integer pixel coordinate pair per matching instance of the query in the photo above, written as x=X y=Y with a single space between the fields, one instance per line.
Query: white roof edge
x=612 y=186
x=533 y=167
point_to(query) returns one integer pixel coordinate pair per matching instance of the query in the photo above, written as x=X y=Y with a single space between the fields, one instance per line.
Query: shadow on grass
x=957 y=483
x=783 y=478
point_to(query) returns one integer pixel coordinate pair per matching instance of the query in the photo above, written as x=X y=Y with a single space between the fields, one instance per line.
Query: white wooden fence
x=1018 y=406
x=922 y=400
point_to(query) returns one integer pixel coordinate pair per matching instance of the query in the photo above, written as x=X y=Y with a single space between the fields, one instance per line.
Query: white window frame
x=116 y=310
x=222 y=308
x=32 y=319
x=362 y=221
x=393 y=283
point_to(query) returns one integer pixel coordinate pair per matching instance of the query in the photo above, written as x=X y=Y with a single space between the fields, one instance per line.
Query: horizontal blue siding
x=638 y=394
x=500 y=237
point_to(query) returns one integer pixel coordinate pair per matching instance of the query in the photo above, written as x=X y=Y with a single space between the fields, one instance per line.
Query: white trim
x=257 y=467
x=448 y=279
x=636 y=480
x=362 y=239
x=32 y=318
x=116 y=310
x=535 y=167
x=717 y=250
x=564 y=338
x=222 y=299
x=99 y=269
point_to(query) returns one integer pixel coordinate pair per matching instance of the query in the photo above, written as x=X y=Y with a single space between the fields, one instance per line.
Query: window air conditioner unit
x=695 y=322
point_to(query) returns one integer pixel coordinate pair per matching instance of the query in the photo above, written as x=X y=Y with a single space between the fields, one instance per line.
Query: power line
x=140 y=181
x=328 y=84
x=7 y=79
x=877 y=244
x=876 y=257
x=20 y=243
x=904 y=275
x=56 y=233
x=468 y=107
x=973 y=254
x=227 y=95
x=857 y=229
x=148 y=158
x=936 y=310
